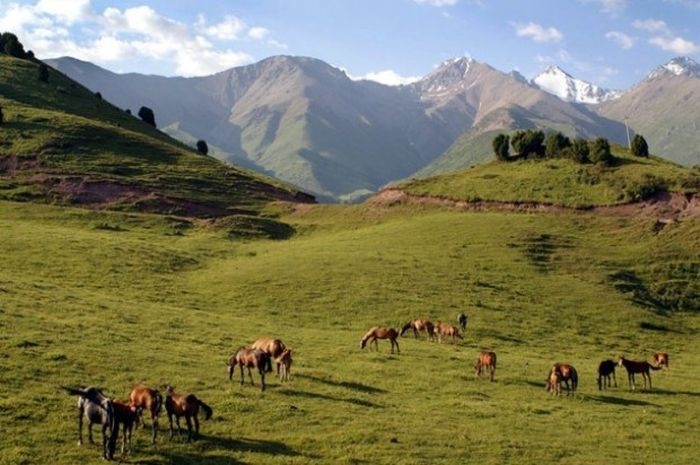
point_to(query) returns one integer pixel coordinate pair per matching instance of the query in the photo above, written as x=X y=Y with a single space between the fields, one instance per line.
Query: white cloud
x=258 y=33
x=609 y=7
x=68 y=12
x=228 y=29
x=622 y=39
x=651 y=25
x=676 y=45
x=276 y=44
x=389 y=78
x=538 y=33
x=437 y=2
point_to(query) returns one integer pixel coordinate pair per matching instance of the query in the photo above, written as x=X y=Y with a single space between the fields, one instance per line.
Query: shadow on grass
x=344 y=384
x=315 y=395
x=665 y=392
x=621 y=401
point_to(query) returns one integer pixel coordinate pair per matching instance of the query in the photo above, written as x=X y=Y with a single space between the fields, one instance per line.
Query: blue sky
x=612 y=43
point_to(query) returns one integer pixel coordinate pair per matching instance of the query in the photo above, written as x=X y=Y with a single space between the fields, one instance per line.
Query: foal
x=566 y=373
x=633 y=367
x=149 y=399
x=380 y=332
x=126 y=415
x=184 y=405
x=285 y=362
x=605 y=369
x=487 y=359
x=661 y=359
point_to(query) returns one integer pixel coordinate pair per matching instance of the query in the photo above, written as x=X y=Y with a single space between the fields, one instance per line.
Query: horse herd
x=97 y=408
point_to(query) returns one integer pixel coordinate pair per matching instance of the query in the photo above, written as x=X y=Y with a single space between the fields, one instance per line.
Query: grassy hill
x=63 y=144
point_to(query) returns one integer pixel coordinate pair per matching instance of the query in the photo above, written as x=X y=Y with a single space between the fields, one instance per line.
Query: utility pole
x=627 y=128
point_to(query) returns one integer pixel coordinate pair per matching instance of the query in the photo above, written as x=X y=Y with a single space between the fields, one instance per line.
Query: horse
x=633 y=367
x=445 y=330
x=380 y=332
x=285 y=361
x=250 y=358
x=566 y=373
x=96 y=408
x=605 y=369
x=126 y=414
x=184 y=405
x=553 y=383
x=149 y=399
x=462 y=321
x=487 y=359
x=272 y=346
x=661 y=359
x=420 y=325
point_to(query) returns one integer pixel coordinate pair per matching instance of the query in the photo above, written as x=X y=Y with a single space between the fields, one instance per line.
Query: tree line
x=533 y=142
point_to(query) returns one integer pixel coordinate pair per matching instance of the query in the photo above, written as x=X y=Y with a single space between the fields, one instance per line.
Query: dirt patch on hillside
x=665 y=206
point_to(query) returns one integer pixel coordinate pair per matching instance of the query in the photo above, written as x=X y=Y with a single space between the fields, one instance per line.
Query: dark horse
x=250 y=358
x=633 y=367
x=420 y=325
x=462 y=320
x=380 y=332
x=127 y=415
x=564 y=373
x=149 y=399
x=96 y=408
x=184 y=405
x=606 y=368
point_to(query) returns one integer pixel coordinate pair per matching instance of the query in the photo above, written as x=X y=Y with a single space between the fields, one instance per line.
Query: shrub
x=600 y=151
x=556 y=144
x=147 y=116
x=43 y=72
x=579 y=150
x=501 y=146
x=640 y=148
x=202 y=147
x=528 y=142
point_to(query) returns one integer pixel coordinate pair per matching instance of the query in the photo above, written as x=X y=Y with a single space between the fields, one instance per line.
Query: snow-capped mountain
x=679 y=66
x=558 y=82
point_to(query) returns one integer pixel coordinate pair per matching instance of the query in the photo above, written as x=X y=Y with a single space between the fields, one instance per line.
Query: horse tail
x=207 y=410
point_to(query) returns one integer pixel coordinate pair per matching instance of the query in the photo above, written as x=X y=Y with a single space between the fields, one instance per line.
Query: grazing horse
x=380 y=332
x=96 y=408
x=445 y=330
x=566 y=373
x=126 y=414
x=285 y=361
x=633 y=367
x=661 y=359
x=184 y=405
x=462 y=321
x=272 y=346
x=149 y=399
x=605 y=369
x=250 y=358
x=553 y=383
x=487 y=359
x=420 y=325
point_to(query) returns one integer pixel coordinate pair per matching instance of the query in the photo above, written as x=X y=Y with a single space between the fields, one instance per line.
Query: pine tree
x=639 y=146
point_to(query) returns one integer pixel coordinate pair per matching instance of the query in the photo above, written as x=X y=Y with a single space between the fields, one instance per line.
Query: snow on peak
x=558 y=82
x=679 y=66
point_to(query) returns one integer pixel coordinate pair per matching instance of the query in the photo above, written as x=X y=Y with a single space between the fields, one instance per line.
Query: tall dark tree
x=43 y=72
x=600 y=151
x=501 y=146
x=639 y=146
x=202 y=147
x=10 y=45
x=556 y=144
x=528 y=142
x=146 y=114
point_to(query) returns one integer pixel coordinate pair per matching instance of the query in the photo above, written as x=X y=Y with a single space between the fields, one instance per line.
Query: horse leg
x=613 y=375
x=188 y=420
x=170 y=421
x=196 y=425
x=262 y=379
x=90 y=432
x=250 y=375
x=154 y=427
x=493 y=371
x=394 y=341
x=80 y=427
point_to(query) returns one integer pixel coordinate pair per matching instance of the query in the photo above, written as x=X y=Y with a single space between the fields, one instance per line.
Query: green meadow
x=115 y=298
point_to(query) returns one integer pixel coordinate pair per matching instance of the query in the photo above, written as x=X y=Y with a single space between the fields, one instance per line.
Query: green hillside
x=60 y=143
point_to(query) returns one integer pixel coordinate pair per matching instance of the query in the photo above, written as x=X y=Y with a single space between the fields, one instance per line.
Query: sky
x=611 y=43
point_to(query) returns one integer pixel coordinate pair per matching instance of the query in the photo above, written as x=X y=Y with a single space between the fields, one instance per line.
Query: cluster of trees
x=533 y=142
x=10 y=45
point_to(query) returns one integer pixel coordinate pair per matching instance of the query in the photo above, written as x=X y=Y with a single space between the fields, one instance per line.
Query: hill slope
x=62 y=143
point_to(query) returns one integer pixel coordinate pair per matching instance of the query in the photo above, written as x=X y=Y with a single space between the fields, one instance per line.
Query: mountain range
x=310 y=125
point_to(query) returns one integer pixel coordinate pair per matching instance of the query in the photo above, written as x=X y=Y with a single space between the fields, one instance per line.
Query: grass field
x=111 y=299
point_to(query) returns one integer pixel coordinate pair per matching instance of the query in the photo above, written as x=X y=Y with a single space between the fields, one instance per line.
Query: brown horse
x=274 y=347
x=250 y=358
x=380 y=332
x=445 y=330
x=487 y=359
x=184 y=405
x=566 y=373
x=661 y=359
x=145 y=398
x=634 y=367
x=553 y=383
x=606 y=368
x=126 y=414
x=285 y=361
x=420 y=325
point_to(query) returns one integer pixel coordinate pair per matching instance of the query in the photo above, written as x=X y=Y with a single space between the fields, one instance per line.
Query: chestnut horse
x=272 y=346
x=184 y=405
x=565 y=373
x=149 y=399
x=633 y=367
x=285 y=361
x=661 y=359
x=420 y=325
x=487 y=359
x=553 y=383
x=126 y=414
x=96 y=408
x=605 y=369
x=445 y=330
x=250 y=358
x=380 y=332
